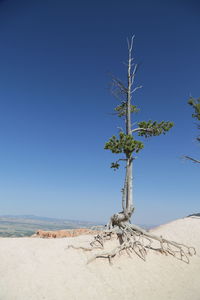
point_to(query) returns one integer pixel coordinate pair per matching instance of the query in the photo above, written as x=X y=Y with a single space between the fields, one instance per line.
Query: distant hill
x=26 y=225
x=195 y=215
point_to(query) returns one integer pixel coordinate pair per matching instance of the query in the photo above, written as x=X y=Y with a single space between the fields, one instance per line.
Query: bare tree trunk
x=128 y=179
x=129 y=190
x=127 y=197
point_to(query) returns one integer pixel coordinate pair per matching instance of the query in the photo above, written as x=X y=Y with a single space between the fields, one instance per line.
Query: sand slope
x=36 y=269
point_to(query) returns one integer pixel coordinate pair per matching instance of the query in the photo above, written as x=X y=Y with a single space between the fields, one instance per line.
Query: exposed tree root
x=133 y=239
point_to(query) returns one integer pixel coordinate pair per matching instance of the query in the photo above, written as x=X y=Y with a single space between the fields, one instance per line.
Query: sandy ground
x=36 y=269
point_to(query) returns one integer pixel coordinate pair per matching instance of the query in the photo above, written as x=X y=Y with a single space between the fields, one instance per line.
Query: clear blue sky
x=55 y=106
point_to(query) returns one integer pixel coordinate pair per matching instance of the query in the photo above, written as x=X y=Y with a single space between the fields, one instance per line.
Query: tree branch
x=134 y=70
x=137 y=88
x=130 y=44
x=194 y=160
x=142 y=129
x=121 y=159
x=119 y=84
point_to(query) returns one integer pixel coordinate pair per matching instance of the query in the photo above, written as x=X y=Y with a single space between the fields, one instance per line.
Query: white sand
x=36 y=269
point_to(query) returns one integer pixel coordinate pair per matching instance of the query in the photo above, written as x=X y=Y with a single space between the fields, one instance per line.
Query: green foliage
x=195 y=103
x=153 y=128
x=115 y=165
x=121 y=109
x=125 y=144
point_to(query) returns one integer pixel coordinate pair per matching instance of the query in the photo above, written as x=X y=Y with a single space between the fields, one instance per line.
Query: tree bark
x=127 y=196
x=128 y=177
x=129 y=189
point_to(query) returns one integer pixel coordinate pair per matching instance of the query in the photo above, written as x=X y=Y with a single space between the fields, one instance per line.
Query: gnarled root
x=135 y=239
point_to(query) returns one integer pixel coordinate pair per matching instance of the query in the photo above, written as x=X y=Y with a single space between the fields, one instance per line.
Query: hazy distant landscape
x=27 y=225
